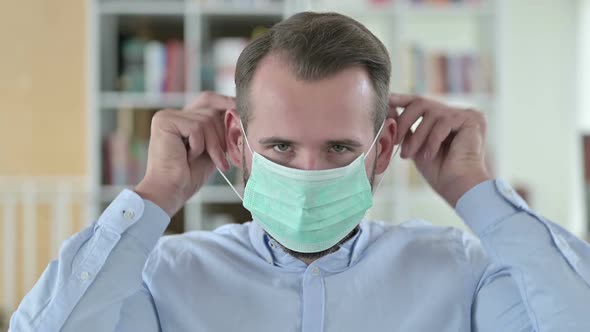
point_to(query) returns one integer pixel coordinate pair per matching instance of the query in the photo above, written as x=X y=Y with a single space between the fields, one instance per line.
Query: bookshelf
x=124 y=95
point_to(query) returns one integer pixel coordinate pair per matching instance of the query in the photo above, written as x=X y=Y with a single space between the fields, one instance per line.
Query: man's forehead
x=279 y=101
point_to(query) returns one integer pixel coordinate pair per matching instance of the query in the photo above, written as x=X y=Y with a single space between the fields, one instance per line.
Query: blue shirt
x=521 y=273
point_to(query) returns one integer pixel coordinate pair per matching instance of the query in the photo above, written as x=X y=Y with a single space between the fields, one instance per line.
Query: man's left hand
x=448 y=146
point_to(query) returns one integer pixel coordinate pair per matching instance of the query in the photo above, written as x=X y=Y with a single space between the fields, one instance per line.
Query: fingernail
x=426 y=155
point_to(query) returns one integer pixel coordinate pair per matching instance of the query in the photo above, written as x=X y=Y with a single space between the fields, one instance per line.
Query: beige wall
x=42 y=107
x=42 y=87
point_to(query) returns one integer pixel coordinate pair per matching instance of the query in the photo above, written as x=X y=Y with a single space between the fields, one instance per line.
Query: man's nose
x=310 y=161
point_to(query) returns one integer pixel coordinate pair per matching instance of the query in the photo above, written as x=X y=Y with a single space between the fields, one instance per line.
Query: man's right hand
x=185 y=146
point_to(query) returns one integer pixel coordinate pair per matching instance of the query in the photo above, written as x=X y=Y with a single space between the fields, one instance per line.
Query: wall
x=42 y=117
x=42 y=88
x=538 y=81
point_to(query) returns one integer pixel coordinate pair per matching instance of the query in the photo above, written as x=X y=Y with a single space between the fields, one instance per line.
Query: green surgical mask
x=307 y=210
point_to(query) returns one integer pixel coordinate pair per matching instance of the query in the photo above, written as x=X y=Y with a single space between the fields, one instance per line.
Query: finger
x=439 y=133
x=408 y=117
x=212 y=145
x=218 y=154
x=208 y=118
x=213 y=120
x=220 y=129
x=419 y=137
x=199 y=131
x=212 y=101
x=392 y=110
x=407 y=138
x=401 y=100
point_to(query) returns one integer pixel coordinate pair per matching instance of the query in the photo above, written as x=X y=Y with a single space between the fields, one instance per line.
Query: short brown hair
x=318 y=45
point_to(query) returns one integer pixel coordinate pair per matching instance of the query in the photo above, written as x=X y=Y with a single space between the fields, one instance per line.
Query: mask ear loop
x=225 y=177
x=383 y=176
x=246 y=138
x=376 y=137
x=394 y=154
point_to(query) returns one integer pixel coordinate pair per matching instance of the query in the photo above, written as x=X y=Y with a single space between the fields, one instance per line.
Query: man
x=311 y=126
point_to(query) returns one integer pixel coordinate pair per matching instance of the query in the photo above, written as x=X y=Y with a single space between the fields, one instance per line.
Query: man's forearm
x=550 y=273
x=97 y=269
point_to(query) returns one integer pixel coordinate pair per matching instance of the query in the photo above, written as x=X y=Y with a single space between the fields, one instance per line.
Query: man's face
x=310 y=125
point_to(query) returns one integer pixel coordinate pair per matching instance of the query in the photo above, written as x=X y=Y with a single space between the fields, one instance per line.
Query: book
x=445 y=72
x=175 y=67
x=132 y=71
x=225 y=56
x=125 y=150
x=155 y=66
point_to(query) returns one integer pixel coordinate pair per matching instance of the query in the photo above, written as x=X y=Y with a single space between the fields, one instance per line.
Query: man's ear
x=233 y=137
x=385 y=145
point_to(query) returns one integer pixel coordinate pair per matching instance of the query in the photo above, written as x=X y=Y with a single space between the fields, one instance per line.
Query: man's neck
x=309 y=258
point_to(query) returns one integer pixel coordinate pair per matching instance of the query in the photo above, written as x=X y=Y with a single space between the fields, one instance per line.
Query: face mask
x=307 y=210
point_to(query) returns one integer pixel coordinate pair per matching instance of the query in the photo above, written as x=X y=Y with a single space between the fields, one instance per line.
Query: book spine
x=155 y=65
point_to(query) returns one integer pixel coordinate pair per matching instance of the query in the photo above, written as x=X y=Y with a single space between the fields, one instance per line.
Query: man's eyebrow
x=346 y=141
x=279 y=140
x=275 y=140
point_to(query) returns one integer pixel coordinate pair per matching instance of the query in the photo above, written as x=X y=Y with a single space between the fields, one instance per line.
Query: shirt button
x=315 y=271
x=84 y=276
x=272 y=244
x=128 y=214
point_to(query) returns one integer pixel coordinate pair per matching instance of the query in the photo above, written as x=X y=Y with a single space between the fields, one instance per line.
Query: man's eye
x=339 y=148
x=281 y=147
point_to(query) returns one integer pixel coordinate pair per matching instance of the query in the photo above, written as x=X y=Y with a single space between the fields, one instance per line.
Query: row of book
x=152 y=66
x=445 y=2
x=439 y=72
x=241 y=3
x=125 y=149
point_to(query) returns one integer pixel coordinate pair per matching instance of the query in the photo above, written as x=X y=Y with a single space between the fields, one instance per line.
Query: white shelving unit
x=456 y=26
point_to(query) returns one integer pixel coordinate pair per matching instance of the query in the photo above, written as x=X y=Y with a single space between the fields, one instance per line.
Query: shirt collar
x=339 y=260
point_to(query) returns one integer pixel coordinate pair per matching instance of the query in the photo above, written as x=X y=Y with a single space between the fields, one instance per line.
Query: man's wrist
x=167 y=200
x=455 y=189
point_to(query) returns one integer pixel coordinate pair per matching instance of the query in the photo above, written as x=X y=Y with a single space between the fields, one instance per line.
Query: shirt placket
x=313 y=300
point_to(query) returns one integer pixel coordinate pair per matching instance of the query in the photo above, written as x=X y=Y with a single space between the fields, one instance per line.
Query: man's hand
x=448 y=146
x=185 y=146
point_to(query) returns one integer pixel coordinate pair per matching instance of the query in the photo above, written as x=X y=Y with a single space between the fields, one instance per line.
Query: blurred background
x=80 y=81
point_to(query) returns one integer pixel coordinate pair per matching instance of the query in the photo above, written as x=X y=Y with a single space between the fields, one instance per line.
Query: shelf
x=405 y=10
x=448 y=10
x=464 y=100
x=142 y=7
x=118 y=100
x=109 y=192
x=271 y=9
x=219 y=194
x=211 y=194
x=178 y=8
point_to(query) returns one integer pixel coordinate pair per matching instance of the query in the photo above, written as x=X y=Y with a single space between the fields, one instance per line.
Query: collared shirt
x=521 y=273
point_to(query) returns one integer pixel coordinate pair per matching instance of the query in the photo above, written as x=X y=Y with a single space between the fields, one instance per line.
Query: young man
x=312 y=125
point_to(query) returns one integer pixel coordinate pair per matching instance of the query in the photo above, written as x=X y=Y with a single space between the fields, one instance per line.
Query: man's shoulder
x=227 y=239
x=420 y=232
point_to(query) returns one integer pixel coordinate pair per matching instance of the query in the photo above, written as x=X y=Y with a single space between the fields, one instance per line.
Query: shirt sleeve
x=538 y=278
x=98 y=271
